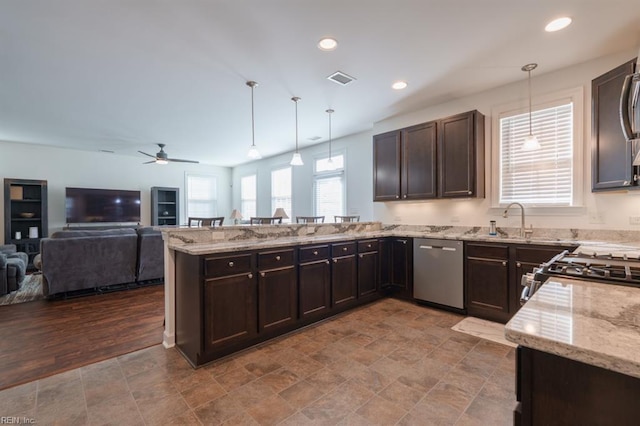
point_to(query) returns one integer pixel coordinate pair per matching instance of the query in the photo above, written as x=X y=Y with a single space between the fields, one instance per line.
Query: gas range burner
x=621 y=270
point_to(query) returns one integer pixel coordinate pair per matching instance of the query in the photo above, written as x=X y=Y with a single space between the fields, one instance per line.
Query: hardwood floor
x=42 y=338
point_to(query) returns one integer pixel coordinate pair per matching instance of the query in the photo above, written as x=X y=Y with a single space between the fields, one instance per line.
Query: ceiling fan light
x=530 y=143
x=253 y=153
x=161 y=161
x=296 y=160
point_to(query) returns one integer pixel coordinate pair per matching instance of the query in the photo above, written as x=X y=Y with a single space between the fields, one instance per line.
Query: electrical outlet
x=634 y=220
x=595 y=218
x=455 y=219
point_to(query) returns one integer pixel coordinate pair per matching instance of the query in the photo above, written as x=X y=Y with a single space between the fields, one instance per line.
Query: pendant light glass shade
x=530 y=141
x=330 y=164
x=296 y=160
x=253 y=153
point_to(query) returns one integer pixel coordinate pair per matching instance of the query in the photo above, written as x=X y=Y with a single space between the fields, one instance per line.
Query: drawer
x=365 y=246
x=309 y=254
x=343 y=249
x=227 y=265
x=275 y=259
x=487 y=251
x=538 y=254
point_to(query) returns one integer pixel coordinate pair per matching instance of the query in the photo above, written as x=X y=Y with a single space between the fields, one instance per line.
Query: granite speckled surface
x=590 y=322
x=244 y=237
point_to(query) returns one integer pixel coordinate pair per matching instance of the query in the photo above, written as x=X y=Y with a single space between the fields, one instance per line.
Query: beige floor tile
x=379 y=411
x=271 y=410
x=401 y=395
x=234 y=379
x=202 y=393
x=218 y=411
x=326 y=379
x=301 y=394
x=251 y=394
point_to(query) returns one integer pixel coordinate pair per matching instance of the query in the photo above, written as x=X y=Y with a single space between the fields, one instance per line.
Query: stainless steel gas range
x=611 y=269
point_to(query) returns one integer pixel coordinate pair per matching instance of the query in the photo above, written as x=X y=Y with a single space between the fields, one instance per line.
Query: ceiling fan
x=161 y=157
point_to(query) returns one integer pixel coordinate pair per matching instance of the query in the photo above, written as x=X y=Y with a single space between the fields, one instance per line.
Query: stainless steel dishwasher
x=438 y=275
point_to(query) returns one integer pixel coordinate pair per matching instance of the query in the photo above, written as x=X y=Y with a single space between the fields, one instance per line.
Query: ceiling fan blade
x=148 y=155
x=149 y=162
x=177 y=160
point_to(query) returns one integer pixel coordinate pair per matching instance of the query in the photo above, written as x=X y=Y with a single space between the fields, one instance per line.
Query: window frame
x=186 y=193
x=273 y=207
x=329 y=174
x=255 y=175
x=556 y=98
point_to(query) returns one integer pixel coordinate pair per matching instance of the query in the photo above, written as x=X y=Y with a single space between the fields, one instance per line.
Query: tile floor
x=391 y=362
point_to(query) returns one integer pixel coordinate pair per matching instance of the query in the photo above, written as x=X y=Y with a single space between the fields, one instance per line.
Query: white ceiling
x=122 y=75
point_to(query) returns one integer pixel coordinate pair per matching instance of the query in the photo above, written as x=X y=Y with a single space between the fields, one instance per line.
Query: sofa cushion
x=97 y=233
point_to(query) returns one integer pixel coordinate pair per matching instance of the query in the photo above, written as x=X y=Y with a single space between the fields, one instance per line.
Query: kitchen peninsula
x=578 y=360
x=313 y=271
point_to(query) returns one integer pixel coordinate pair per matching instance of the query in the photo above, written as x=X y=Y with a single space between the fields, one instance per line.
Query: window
x=548 y=177
x=248 y=197
x=281 y=191
x=202 y=196
x=328 y=187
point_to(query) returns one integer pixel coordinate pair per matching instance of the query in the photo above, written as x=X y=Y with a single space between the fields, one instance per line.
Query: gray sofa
x=13 y=265
x=87 y=260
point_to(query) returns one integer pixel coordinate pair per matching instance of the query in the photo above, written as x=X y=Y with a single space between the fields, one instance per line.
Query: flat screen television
x=86 y=205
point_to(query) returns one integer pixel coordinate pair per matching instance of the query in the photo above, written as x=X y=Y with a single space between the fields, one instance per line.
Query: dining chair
x=205 y=221
x=309 y=219
x=339 y=219
x=265 y=220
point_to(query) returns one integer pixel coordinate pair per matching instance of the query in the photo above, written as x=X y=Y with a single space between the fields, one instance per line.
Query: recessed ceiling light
x=558 y=24
x=327 y=43
x=399 y=85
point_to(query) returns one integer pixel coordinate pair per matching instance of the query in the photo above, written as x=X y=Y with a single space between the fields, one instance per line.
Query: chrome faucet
x=524 y=233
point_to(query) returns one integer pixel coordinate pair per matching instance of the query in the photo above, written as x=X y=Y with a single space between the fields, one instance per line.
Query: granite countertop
x=590 y=322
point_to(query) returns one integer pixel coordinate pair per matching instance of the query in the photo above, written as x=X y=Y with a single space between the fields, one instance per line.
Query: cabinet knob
x=277 y=257
x=344 y=249
x=262 y=274
x=230 y=264
x=250 y=276
x=361 y=256
x=368 y=245
x=469 y=192
x=315 y=252
x=326 y=261
x=335 y=260
x=518 y=264
x=397 y=196
x=403 y=241
x=504 y=263
x=404 y=196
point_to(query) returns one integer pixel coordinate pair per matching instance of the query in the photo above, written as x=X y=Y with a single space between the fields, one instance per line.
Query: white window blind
x=248 y=197
x=281 y=191
x=328 y=187
x=202 y=196
x=543 y=177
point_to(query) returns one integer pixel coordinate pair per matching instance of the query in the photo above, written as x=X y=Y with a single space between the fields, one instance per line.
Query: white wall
x=63 y=168
x=600 y=211
x=358 y=169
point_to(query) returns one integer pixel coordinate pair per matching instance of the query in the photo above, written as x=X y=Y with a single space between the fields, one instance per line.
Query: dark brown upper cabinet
x=461 y=155
x=386 y=169
x=611 y=154
x=437 y=159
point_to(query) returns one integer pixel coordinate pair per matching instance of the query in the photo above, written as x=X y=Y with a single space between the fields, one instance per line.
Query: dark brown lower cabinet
x=553 y=390
x=367 y=268
x=493 y=274
x=402 y=267
x=344 y=274
x=278 y=298
x=315 y=288
x=487 y=271
x=229 y=310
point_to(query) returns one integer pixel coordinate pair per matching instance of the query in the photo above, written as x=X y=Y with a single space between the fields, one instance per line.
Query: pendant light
x=253 y=153
x=530 y=142
x=330 y=163
x=296 y=160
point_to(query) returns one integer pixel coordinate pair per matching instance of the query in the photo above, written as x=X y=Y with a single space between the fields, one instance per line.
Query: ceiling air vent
x=341 y=78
